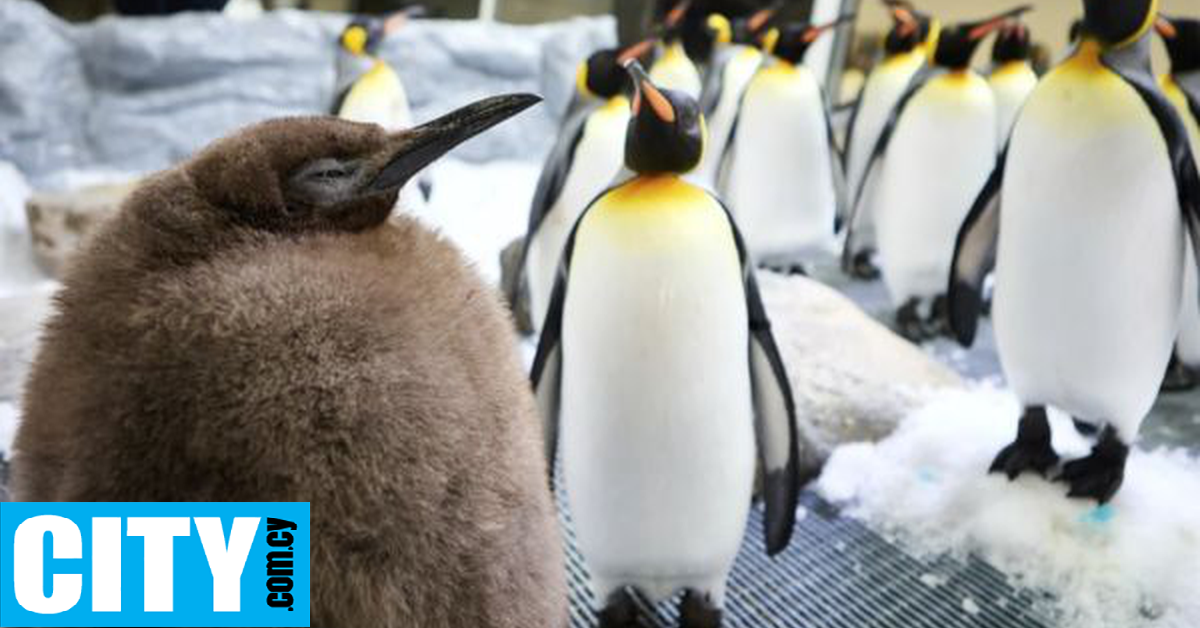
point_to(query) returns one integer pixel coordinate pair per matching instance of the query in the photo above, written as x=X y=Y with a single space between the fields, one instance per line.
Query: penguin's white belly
x=943 y=150
x=737 y=74
x=1011 y=85
x=1089 y=274
x=657 y=427
x=1188 y=344
x=598 y=159
x=780 y=186
x=883 y=90
x=378 y=97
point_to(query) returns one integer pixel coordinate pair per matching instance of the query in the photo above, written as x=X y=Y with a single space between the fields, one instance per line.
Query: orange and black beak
x=647 y=94
x=399 y=19
x=1166 y=28
x=813 y=32
x=982 y=29
x=636 y=51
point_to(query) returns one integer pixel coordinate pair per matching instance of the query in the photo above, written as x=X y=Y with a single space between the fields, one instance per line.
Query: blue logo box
x=154 y=564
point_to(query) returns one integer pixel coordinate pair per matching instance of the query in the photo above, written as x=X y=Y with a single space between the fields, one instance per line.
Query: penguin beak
x=636 y=51
x=1166 y=28
x=645 y=90
x=814 y=32
x=397 y=20
x=675 y=15
x=903 y=16
x=983 y=29
x=411 y=150
x=762 y=17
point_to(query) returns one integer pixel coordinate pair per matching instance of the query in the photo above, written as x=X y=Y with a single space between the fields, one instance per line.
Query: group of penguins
x=257 y=324
x=667 y=187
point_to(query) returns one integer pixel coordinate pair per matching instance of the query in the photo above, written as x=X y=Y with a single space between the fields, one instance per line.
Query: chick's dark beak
x=645 y=92
x=411 y=150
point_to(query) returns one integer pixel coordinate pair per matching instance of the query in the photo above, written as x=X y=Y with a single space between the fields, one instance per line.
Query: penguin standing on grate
x=1083 y=219
x=661 y=399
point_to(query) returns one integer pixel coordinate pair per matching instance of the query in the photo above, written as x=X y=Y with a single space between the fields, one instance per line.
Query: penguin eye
x=322 y=182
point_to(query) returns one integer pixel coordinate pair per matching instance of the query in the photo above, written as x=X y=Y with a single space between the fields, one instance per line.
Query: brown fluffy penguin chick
x=251 y=327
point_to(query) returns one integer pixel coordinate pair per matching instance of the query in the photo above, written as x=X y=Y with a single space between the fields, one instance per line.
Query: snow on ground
x=1133 y=563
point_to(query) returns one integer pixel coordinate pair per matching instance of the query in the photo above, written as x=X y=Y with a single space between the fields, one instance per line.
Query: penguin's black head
x=1012 y=44
x=1076 y=31
x=1117 y=23
x=666 y=132
x=910 y=28
x=365 y=33
x=325 y=174
x=603 y=74
x=1182 y=37
x=958 y=43
x=791 y=42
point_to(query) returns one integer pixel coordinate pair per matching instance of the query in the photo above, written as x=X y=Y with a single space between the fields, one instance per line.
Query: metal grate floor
x=839 y=574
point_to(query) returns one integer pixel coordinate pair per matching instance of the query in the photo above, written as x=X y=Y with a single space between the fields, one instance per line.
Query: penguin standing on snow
x=665 y=394
x=932 y=158
x=1084 y=219
x=1012 y=78
x=673 y=69
x=907 y=48
x=584 y=161
x=251 y=326
x=369 y=90
x=1182 y=87
x=736 y=58
x=782 y=172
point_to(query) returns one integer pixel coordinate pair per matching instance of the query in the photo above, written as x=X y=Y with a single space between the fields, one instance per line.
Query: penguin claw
x=696 y=612
x=619 y=612
x=1018 y=458
x=1099 y=475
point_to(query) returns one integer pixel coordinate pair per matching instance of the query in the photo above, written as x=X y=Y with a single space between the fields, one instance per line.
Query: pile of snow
x=8 y=428
x=1132 y=563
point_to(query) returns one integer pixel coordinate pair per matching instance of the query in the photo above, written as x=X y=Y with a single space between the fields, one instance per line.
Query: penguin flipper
x=975 y=256
x=881 y=145
x=775 y=427
x=546 y=375
x=1133 y=66
x=837 y=167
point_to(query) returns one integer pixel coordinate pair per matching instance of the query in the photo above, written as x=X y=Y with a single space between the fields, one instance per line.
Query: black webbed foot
x=620 y=611
x=1099 y=475
x=696 y=611
x=862 y=267
x=909 y=323
x=1031 y=451
x=1179 y=377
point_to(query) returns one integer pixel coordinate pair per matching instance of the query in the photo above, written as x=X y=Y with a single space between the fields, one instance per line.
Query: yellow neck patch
x=655 y=193
x=1151 y=16
x=581 y=77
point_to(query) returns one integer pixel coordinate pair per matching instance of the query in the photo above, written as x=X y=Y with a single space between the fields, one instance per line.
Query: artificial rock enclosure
x=900 y=524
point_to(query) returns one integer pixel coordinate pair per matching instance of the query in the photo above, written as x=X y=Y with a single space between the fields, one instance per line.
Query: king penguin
x=1012 y=78
x=932 y=157
x=736 y=57
x=1084 y=219
x=1182 y=87
x=673 y=69
x=665 y=394
x=369 y=90
x=254 y=326
x=583 y=163
x=782 y=173
x=907 y=48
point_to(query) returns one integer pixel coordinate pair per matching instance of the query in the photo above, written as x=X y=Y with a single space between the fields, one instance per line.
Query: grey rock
x=138 y=94
x=853 y=379
x=58 y=221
